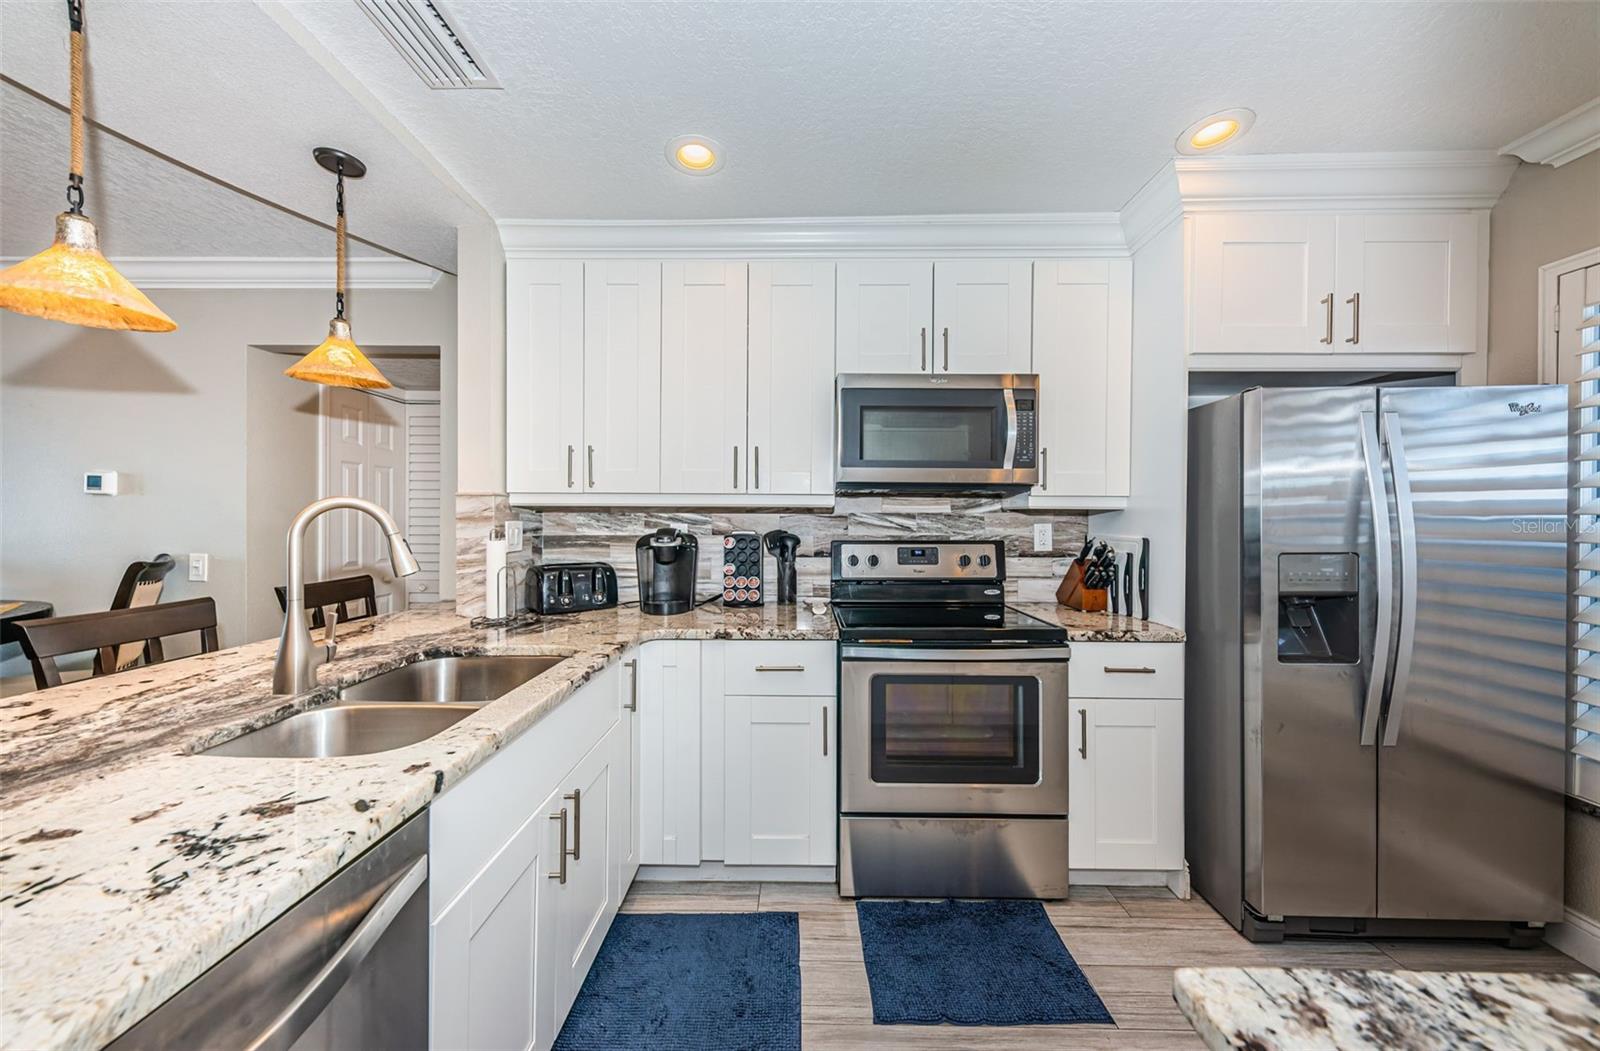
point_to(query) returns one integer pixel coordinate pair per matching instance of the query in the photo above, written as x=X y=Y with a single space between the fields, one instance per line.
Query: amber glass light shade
x=71 y=281
x=338 y=362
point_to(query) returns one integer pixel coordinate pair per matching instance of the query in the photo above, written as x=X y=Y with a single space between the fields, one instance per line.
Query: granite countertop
x=1101 y=627
x=129 y=864
x=1278 y=1009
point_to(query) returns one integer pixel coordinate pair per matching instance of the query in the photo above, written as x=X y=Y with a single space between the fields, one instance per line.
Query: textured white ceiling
x=830 y=108
x=218 y=85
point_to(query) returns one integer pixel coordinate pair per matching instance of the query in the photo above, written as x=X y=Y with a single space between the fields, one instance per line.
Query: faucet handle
x=330 y=622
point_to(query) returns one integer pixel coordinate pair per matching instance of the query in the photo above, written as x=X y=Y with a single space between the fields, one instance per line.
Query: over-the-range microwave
x=947 y=432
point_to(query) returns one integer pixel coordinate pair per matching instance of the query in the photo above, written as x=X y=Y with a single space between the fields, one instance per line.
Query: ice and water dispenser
x=1319 y=608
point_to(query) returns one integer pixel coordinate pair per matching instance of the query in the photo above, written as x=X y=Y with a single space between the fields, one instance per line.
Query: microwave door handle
x=1011 y=429
x=1406 y=510
x=1381 y=540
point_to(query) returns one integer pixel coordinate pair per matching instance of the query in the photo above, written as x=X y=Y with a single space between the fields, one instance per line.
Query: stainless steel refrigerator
x=1376 y=686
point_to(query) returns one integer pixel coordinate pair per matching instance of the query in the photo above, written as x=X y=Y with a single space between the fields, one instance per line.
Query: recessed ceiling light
x=694 y=154
x=1210 y=134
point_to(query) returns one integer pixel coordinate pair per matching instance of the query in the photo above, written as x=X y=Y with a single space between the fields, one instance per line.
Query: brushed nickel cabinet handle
x=780 y=667
x=570 y=451
x=824 y=730
x=922 y=362
x=560 y=874
x=757 y=467
x=633 y=685
x=576 y=795
x=1109 y=670
x=591 y=467
x=1083 y=732
x=1327 y=302
x=1355 y=318
x=947 y=349
x=736 y=467
x=1044 y=468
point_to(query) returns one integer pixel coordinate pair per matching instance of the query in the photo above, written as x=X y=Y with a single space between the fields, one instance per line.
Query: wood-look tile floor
x=1128 y=940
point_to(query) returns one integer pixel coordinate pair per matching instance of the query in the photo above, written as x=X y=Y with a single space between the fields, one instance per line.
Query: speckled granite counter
x=1101 y=627
x=128 y=864
x=1278 y=1009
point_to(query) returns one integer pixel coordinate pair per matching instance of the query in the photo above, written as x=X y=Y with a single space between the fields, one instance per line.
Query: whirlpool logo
x=1524 y=408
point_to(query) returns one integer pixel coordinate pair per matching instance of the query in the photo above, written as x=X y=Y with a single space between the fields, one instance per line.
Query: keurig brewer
x=667 y=569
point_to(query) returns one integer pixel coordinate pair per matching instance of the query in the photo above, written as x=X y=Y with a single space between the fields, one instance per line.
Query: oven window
x=914 y=435
x=955 y=729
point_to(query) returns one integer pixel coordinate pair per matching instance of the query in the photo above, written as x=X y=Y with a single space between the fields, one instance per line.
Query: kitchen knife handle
x=922 y=363
x=570 y=451
x=1355 y=318
x=1327 y=301
x=947 y=349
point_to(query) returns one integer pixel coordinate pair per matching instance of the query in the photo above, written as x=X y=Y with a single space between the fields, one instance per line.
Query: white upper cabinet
x=885 y=311
x=703 y=370
x=1407 y=284
x=981 y=317
x=791 y=378
x=544 y=375
x=1263 y=283
x=1083 y=353
x=622 y=377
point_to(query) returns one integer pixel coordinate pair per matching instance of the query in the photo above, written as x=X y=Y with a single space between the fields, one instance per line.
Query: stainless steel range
x=953 y=726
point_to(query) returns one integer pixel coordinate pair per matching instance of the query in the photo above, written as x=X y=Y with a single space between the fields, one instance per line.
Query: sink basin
x=449 y=680
x=357 y=729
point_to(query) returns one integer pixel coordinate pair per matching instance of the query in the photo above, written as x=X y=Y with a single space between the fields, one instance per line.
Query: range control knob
x=964 y=561
x=872 y=560
x=984 y=560
x=854 y=560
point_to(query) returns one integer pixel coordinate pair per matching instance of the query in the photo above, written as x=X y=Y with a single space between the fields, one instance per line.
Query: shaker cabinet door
x=982 y=316
x=544 y=375
x=780 y=781
x=791 y=378
x=669 y=753
x=621 y=377
x=1417 y=281
x=704 y=338
x=587 y=902
x=1263 y=283
x=885 y=309
x=1125 y=803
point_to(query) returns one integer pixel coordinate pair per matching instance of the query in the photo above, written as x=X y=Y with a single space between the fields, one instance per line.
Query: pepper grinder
x=783 y=546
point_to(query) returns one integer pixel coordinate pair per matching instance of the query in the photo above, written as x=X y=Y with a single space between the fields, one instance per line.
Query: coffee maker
x=668 y=560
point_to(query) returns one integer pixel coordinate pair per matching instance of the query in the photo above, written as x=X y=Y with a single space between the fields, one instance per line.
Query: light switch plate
x=199 y=567
x=514 y=535
x=1043 y=536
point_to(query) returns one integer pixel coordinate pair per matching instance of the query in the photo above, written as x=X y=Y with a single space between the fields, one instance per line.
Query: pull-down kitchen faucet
x=298 y=657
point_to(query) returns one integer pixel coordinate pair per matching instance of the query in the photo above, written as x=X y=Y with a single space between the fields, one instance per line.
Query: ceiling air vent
x=426 y=37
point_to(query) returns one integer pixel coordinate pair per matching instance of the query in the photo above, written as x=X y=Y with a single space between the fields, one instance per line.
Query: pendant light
x=338 y=362
x=71 y=281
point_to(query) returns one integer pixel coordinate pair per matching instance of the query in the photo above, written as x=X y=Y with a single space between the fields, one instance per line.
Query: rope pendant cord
x=75 y=178
x=339 y=231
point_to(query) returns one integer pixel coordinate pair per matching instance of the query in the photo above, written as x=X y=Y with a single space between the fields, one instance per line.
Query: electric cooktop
x=917 y=623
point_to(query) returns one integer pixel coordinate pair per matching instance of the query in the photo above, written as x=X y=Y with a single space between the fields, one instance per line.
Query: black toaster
x=572 y=587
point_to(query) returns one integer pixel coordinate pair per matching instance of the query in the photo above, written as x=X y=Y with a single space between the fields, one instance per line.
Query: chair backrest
x=140 y=586
x=339 y=592
x=45 y=640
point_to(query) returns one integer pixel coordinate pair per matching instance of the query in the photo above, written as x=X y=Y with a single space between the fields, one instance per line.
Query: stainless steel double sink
x=391 y=710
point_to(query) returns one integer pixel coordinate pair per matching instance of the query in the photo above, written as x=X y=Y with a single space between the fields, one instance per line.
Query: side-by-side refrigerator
x=1376 y=687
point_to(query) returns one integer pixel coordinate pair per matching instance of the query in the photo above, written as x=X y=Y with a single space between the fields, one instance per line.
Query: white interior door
x=1417 y=278
x=704 y=338
x=1263 y=283
x=791 y=377
x=982 y=316
x=364 y=455
x=885 y=308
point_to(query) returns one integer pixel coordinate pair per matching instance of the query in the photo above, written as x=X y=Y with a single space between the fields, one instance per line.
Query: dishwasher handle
x=310 y=1002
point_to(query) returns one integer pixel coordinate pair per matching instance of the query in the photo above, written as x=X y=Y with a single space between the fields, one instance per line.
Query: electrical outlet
x=199 y=567
x=1043 y=536
x=514 y=535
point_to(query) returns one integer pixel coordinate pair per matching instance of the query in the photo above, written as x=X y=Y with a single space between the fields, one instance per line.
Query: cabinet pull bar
x=1327 y=301
x=824 y=730
x=922 y=362
x=736 y=467
x=947 y=350
x=1109 y=670
x=780 y=667
x=1355 y=318
x=633 y=685
x=560 y=874
x=758 y=467
x=1083 y=732
x=576 y=795
x=570 y=451
x=1044 y=468
x=591 y=467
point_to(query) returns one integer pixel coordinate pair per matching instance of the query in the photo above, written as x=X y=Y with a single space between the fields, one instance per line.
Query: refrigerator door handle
x=1382 y=543
x=1394 y=438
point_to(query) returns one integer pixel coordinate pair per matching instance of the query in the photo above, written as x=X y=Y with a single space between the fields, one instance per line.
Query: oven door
x=966 y=430
x=936 y=731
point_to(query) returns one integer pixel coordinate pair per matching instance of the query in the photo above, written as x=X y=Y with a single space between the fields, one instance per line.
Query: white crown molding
x=218 y=272
x=1155 y=207
x=1452 y=181
x=1067 y=234
x=1564 y=139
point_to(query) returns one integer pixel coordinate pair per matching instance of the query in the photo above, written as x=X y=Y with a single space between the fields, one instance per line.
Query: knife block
x=1072 y=592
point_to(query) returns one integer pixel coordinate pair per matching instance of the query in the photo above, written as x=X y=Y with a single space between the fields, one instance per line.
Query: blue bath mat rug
x=687 y=982
x=971 y=963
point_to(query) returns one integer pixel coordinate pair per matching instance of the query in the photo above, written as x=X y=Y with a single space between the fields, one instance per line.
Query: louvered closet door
x=1578 y=362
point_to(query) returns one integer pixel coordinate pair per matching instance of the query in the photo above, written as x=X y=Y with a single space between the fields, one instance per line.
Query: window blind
x=1578 y=343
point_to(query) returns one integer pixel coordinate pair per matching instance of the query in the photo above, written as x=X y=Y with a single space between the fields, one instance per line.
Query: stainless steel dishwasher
x=346 y=967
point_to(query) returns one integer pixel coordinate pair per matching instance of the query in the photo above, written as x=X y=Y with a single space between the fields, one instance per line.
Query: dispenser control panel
x=1320 y=573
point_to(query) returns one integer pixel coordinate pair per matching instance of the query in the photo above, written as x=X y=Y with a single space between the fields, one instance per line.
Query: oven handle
x=1011 y=428
x=996 y=655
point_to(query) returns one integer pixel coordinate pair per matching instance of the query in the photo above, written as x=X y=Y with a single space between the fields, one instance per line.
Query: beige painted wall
x=1545 y=214
x=281 y=433
x=171 y=412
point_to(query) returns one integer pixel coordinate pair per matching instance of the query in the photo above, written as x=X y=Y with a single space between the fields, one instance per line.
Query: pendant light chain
x=75 y=175
x=338 y=204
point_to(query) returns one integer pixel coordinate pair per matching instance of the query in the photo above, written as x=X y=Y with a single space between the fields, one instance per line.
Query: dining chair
x=140 y=586
x=45 y=640
x=339 y=592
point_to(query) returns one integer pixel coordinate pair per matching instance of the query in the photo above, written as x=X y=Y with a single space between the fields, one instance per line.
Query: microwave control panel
x=1027 y=433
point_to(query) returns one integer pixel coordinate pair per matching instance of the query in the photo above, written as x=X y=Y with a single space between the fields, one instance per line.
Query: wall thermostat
x=100 y=483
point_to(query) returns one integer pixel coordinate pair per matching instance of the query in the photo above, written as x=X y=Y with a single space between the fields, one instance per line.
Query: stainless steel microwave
x=915 y=431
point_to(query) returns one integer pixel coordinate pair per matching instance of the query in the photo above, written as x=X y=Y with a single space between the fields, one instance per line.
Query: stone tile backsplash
x=609 y=536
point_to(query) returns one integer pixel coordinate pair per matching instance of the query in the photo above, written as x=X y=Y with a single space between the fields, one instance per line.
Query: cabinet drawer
x=786 y=669
x=1126 y=669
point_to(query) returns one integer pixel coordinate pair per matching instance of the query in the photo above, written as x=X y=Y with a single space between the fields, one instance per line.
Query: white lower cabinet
x=1125 y=784
x=780 y=799
x=585 y=891
x=669 y=753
